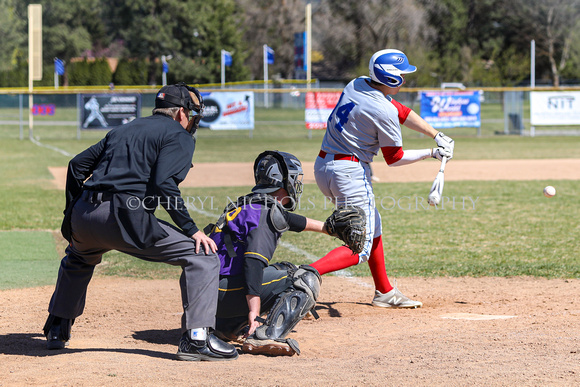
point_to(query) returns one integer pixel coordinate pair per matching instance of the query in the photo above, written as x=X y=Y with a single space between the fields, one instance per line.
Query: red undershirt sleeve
x=392 y=154
x=403 y=111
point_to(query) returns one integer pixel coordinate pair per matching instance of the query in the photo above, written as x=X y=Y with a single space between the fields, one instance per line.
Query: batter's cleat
x=210 y=349
x=395 y=299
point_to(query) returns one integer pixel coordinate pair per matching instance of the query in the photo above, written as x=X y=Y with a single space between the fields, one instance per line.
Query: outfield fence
x=505 y=110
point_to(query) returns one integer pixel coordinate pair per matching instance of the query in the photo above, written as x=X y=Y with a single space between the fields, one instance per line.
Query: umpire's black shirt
x=146 y=158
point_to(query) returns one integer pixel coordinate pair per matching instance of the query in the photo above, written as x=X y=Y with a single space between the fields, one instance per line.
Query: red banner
x=319 y=105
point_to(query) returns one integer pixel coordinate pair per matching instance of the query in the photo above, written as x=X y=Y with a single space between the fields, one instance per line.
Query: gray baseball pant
x=95 y=231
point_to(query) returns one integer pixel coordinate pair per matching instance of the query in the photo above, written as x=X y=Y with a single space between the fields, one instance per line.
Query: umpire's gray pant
x=95 y=231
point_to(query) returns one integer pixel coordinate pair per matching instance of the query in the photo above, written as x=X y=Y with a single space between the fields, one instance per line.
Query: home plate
x=471 y=316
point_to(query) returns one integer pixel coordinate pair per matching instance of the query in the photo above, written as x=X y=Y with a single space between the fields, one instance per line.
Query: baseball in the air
x=549 y=191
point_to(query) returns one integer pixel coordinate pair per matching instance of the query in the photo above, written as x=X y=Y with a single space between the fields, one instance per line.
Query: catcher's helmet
x=387 y=66
x=274 y=170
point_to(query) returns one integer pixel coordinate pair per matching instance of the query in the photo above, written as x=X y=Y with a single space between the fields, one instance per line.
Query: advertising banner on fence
x=228 y=110
x=555 y=108
x=319 y=105
x=105 y=111
x=451 y=109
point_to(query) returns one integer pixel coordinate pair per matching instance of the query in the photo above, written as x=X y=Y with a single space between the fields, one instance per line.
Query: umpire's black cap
x=174 y=96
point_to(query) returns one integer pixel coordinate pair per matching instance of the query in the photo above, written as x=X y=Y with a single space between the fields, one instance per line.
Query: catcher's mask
x=178 y=95
x=274 y=170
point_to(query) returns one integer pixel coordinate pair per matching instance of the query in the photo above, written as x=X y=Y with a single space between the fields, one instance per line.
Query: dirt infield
x=241 y=174
x=471 y=331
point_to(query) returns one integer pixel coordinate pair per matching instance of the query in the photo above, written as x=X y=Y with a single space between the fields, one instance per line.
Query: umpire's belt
x=96 y=196
x=340 y=156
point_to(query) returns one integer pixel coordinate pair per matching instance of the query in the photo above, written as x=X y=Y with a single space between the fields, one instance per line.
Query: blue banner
x=300 y=62
x=227 y=58
x=269 y=55
x=451 y=109
x=58 y=66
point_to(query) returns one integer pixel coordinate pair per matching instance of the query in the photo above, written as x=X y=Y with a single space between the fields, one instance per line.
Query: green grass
x=290 y=135
x=27 y=258
x=513 y=230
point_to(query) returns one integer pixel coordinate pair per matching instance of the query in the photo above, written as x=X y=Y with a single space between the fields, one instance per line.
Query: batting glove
x=438 y=153
x=445 y=142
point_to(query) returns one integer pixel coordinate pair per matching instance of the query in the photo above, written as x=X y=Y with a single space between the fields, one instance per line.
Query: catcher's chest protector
x=276 y=214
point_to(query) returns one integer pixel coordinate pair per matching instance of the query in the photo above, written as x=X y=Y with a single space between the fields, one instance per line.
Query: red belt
x=340 y=156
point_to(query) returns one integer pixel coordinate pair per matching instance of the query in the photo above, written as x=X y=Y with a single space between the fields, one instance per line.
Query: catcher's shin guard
x=290 y=308
x=308 y=279
x=292 y=305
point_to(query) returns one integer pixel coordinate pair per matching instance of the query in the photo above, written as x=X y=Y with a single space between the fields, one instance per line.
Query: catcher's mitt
x=348 y=223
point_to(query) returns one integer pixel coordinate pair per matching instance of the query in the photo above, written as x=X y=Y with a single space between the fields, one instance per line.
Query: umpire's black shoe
x=54 y=338
x=57 y=332
x=210 y=349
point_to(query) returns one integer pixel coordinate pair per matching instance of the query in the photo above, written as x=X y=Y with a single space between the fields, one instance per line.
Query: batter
x=366 y=119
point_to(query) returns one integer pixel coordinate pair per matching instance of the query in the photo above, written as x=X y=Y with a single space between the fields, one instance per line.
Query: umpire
x=134 y=169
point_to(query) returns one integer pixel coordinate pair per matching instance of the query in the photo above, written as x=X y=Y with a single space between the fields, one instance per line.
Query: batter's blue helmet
x=387 y=66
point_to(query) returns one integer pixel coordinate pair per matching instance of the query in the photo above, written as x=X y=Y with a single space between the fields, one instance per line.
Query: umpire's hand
x=208 y=243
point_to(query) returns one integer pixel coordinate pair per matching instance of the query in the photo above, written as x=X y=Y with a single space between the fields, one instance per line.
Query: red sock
x=377 y=266
x=337 y=259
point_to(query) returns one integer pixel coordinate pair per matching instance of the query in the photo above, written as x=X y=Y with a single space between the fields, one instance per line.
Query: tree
x=100 y=72
x=348 y=32
x=13 y=29
x=478 y=41
x=71 y=29
x=192 y=31
x=554 y=24
x=572 y=69
x=130 y=72
x=274 y=24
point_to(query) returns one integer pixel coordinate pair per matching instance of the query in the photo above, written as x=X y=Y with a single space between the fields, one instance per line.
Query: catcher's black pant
x=232 y=293
x=95 y=231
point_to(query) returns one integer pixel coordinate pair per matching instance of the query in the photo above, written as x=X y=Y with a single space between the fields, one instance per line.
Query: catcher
x=246 y=235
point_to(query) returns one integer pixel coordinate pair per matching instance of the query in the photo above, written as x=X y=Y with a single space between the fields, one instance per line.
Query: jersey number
x=342 y=114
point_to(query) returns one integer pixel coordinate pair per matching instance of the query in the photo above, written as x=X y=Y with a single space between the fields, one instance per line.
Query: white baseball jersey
x=363 y=121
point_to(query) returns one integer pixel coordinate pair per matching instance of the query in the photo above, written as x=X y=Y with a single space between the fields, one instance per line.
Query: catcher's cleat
x=395 y=299
x=278 y=347
x=210 y=349
x=237 y=336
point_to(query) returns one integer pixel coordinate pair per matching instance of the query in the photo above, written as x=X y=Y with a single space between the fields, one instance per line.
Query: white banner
x=550 y=108
x=228 y=110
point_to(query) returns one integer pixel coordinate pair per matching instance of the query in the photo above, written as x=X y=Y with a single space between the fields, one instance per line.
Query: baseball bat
x=438 y=183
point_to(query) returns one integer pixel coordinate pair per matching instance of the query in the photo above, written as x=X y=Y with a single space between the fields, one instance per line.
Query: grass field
x=508 y=233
